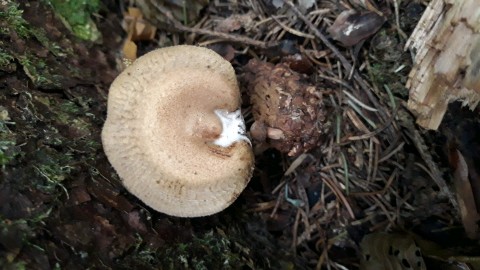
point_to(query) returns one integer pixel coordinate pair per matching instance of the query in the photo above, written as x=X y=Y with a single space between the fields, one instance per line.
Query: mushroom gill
x=174 y=132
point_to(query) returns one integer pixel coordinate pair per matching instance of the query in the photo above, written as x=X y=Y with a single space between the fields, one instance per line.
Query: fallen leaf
x=390 y=251
x=352 y=27
x=465 y=196
x=137 y=30
x=137 y=27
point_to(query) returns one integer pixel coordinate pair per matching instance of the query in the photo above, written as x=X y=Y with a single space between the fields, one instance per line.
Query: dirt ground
x=364 y=168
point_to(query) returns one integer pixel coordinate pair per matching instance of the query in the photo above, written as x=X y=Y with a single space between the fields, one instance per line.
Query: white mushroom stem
x=233 y=128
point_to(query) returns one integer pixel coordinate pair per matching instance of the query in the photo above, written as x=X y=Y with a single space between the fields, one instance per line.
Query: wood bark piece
x=447 y=61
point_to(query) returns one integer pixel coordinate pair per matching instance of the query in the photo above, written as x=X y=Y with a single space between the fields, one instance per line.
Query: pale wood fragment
x=447 y=60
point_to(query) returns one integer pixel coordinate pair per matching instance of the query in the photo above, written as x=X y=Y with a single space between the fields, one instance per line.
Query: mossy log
x=447 y=62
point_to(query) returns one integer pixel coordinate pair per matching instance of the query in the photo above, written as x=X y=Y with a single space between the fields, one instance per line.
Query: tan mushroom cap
x=161 y=127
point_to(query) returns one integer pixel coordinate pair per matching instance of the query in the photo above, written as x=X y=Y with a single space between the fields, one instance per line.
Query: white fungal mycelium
x=233 y=128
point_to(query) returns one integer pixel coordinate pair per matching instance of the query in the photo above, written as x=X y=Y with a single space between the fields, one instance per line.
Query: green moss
x=76 y=15
x=53 y=47
x=20 y=233
x=213 y=250
x=384 y=76
x=377 y=73
x=11 y=15
x=5 y=151
x=389 y=65
x=41 y=74
x=68 y=113
x=8 y=149
x=6 y=60
x=13 y=265
x=11 y=19
x=53 y=165
x=69 y=107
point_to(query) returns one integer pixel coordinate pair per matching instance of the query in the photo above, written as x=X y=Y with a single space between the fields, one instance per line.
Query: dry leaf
x=390 y=251
x=448 y=258
x=137 y=29
x=130 y=51
x=465 y=196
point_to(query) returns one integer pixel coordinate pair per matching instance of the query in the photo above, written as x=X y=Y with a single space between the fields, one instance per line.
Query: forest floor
x=370 y=171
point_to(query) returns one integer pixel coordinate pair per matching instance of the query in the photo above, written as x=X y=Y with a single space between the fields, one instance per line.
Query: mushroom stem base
x=233 y=128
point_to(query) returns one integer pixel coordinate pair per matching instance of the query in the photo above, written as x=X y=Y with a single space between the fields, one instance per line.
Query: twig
x=384 y=209
x=327 y=179
x=345 y=63
x=397 y=20
x=319 y=35
x=229 y=37
x=370 y=159
x=291 y=30
x=377 y=131
x=233 y=38
x=363 y=105
x=345 y=174
x=357 y=110
x=295 y=231
x=383 y=190
x=356 y=121
x=397 y=149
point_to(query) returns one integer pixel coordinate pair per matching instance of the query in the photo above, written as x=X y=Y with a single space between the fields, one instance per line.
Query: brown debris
x=286 y=106
x=109 y=196
x=234 y=23
x=134 y=220
x=299 y=63
x=224 y=49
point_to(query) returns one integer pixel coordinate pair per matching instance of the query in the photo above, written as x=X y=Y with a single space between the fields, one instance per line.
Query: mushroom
x=174 y=132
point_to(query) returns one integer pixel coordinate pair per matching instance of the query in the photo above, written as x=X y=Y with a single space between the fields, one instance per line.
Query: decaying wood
x=447 y=61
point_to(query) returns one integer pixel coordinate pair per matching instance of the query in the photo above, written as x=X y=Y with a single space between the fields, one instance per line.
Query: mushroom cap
x=161 y=128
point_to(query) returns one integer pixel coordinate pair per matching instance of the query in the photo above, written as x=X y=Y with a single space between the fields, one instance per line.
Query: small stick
x=345 y=63
x=319 y=35
x=233 y=38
